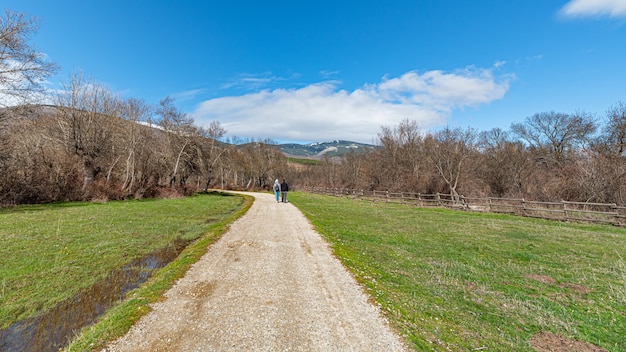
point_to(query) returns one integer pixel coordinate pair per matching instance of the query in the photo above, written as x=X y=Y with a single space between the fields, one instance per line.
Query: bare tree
x=136 y=144
x=211 y=150
x=179 y=133
x=38 y=169
x=22 y=68
x=87 y=113
x=352 y=169
x=612 y=140
x=605 y=169
x=329 y=172
x=261 y=160
x=553 y=136
x=505 y=162
x=448 y=150
x=400 y=158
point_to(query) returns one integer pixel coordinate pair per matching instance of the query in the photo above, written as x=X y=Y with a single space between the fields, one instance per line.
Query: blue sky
x=323 y=70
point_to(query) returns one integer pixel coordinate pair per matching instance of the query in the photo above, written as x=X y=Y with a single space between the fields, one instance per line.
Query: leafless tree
x=400 y=158
x=554 y=136
x=85 y=124
x=605 y=168
x=22 y=68
x=137 y=148
x=260 y=160
x=38 y=169
x=448 y=150
x=179 y=133
x=22 y=71
x=612 y=139
x=211 y=150
x=329 y=173
x=505 y=163
x=352 y=170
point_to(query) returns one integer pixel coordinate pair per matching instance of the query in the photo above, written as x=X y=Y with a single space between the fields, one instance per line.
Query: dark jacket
x=284 y=187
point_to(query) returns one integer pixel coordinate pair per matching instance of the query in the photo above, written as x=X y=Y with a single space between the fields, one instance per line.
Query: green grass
x=49 y=253
x=304 y=161
x=451 y=280
x=118 y=320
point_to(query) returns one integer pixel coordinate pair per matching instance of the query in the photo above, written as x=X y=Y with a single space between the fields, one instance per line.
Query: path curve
x=269 y=284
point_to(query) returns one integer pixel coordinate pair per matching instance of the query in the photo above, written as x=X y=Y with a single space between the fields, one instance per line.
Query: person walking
x=276 y=188
x=284 y=188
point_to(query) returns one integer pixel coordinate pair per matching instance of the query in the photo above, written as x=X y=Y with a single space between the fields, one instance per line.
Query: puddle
x=52 y=330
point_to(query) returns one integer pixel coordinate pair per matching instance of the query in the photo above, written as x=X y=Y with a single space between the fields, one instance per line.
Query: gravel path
x=269 y=284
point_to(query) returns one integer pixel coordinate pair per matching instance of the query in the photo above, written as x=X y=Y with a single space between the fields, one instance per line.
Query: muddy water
x=52 y=330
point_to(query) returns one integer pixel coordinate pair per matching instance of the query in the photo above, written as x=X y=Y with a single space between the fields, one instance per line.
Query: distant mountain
x=319 y=150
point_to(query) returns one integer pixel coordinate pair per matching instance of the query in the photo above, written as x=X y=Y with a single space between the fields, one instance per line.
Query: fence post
x=615 y=209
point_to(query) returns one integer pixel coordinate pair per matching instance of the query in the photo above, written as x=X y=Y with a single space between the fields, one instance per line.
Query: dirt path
x=266 y=285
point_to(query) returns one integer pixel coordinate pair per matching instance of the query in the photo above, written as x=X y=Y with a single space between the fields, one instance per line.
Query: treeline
x=550 y=156
x=89 y=143
x=93 y=145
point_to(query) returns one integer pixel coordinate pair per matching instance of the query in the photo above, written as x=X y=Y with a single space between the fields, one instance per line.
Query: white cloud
x=328 y=73
x=594 y=8
x=322 y=111
x=188 y=94
x=256 y=81
x=15 y=85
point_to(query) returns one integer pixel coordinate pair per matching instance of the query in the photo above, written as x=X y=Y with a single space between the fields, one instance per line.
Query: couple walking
x=281 y=188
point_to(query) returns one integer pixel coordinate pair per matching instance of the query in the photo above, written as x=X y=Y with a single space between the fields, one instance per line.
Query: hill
x=315 y=150
x=320 y=149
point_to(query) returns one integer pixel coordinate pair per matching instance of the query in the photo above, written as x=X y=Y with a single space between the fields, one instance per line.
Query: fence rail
x=564 y=210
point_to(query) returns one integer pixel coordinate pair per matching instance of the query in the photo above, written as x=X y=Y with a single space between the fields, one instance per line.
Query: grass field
x=304 y=161
x=51 y=252
x=462 y=281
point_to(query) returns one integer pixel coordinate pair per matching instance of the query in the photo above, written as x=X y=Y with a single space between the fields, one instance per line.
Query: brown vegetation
x=548 y=157
x=58 y=153
x=98 y=146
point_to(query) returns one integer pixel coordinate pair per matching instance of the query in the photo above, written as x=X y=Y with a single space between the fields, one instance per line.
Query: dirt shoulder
x=269 y=284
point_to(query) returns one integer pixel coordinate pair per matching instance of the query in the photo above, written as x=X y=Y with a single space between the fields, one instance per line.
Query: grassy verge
x=49 y=253
x=118 y=320
x=462 y=281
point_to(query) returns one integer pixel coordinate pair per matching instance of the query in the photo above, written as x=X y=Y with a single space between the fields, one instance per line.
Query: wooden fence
x=564 y=211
